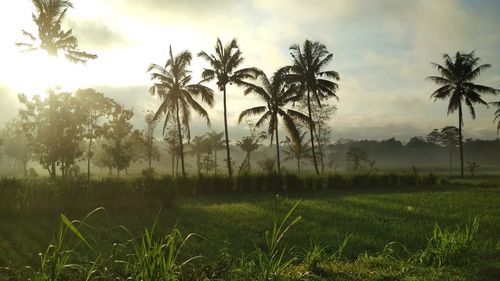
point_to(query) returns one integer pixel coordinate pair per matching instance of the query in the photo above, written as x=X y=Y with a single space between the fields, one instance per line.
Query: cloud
x=97 y=34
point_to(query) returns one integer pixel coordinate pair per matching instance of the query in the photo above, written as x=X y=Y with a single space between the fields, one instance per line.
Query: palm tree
x=307 y=70
x=297 y=149
x=224 y=64
x=199 y=145
x=248 y=144
x=51 y=37
x=456 y=85
x=171 y=84
x=497 y=114
x=216 y=143
x=276 y=93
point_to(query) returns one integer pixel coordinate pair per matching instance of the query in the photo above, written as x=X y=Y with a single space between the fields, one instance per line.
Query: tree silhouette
x=497 y=114
x=249 y=144
x=216 y=143
x=171 y=84
x=94 y=107
x=307 y=70
x=51 y=37
x=199 y=145
x=276 y=93
x=297 y=149
x=456 y=84
x=224 y=68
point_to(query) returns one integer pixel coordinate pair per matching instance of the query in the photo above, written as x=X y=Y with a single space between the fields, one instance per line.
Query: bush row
x=41 y=195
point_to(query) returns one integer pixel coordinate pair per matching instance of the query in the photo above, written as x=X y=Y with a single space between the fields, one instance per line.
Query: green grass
x=234 y=224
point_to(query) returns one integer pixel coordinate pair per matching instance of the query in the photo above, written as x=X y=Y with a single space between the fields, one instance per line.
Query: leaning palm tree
x=51 y=37
x=276 y=93
x=456 y=76
x=307 y=70
x=224 y=68
x=216 y=143
x=171 y=84
x=497 y=114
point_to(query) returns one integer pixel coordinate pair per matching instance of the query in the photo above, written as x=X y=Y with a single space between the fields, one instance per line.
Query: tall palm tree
x=497 y=114
x=216 y=143
x=51 y=37
x=276 y=93
x=171 y=84
x=307 y=70
x=224 y=68
x=455 y=81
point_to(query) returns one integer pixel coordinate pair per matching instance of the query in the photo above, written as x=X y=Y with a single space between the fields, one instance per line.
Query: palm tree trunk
x=298 y=165
x=249 y=166
x=88 y=159
x=172 y=158
x=180 y=141
x=311 y=131
x=277 y=148
x=215 y=160
x=228 y=152
x=460 y=139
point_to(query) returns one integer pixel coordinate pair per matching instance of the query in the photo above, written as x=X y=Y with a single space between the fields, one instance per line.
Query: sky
x=382 y=51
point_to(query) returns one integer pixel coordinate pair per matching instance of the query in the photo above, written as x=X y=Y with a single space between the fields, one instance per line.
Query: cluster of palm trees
x=305 y=80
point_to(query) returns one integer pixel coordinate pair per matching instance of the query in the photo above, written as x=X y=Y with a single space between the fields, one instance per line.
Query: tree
x=497 y=115
x=356 y=156
x=171 y=84
x=51 y=37
x=224 y=64
x=249 y=144
x=448 y=138
x=199 y=145
x=93 y=107
x=172 y=140
x=276 y=93
x=216 y=143
x=456 y=84
x=322 y=130
x=147 y=139
x=54 y=130
x=297 y=149
x=16 y=144
x=307 y=70
x=118 y=133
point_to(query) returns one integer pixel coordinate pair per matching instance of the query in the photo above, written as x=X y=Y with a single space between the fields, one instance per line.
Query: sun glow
x=35 y=72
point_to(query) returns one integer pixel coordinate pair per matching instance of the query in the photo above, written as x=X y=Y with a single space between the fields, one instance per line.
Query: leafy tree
x=172 y=140
x=322 y=130
x=297 y=149
x=94 y=108
x=448 y=138
x=276 y=93
x=224 y=68
x=455 y=81
x=15 y=144
x=216 y=142
x=118 y=133
x=54 y=130
x=147 y=139
x=308 y=71
x=356 y=156
x=51 y=37
x=171 y=84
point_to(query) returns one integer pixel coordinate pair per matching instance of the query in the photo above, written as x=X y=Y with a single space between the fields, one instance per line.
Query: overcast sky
x=382 y=50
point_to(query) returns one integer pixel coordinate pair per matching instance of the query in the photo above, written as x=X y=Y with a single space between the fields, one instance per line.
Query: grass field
x=234 y=225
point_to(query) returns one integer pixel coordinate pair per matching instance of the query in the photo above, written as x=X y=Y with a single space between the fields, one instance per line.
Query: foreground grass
x=234 y=224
